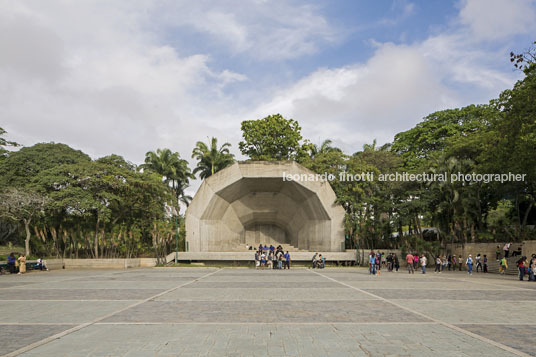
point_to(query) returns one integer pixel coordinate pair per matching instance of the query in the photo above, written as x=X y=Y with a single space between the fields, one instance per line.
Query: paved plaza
x=244 y=312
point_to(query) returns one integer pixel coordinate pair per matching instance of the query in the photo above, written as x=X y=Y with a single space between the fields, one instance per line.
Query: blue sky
x=127 y=77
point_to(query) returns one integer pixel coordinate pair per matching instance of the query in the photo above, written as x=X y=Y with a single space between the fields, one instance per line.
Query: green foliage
x=4 y=142
x=211 y=159
x=271 y=138
x=19 y=167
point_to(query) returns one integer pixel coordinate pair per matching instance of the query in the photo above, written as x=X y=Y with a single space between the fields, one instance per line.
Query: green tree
x=4 y=142
x=428 y=139
x=19 y=167
x=271 y=138
x=172 y=168
x=211 y=159
x=22 y=206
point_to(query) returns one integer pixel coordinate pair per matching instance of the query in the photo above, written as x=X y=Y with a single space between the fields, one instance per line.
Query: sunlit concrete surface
x=254 y=203
x=245 y=312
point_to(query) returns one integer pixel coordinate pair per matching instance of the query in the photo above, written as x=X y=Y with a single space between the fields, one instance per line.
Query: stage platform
x=349 y=255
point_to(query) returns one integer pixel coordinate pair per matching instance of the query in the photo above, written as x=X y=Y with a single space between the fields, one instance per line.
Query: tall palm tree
x=210 y=158
x=324 y=148
x=172 y=168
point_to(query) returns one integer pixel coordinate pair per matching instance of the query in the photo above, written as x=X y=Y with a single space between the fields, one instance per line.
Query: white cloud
x=264 y=30
x=498 y=19
x=102 y=78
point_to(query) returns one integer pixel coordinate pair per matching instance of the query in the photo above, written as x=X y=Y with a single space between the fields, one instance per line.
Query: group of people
x=376 y=260
x=527 y=267
x=318 y=261
x=17 y=265
x=450 y=262
x=271 y=258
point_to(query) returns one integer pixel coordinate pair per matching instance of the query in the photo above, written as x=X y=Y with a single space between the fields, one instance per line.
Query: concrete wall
x=251 y=200
x=100 y=263
x=527 y=248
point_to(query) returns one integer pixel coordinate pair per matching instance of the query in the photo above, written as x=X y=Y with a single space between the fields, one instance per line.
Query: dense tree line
x=59 y=201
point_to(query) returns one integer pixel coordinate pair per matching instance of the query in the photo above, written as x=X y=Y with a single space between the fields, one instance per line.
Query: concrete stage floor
x=244 y=312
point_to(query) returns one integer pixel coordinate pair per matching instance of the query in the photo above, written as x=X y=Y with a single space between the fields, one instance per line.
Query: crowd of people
x=271 y=257
x=414 y=261
x=376 y=260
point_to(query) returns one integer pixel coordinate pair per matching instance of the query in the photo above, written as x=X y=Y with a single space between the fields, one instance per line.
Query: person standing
x=397 y=264
x=485 y=263
x=478 y=262
x=423 y=261
x=460 y=262
x=449 y=261
x=521 y=267
x=453 y=262
x=372 y=263
x=287 y=260
x=11 y=263
x=437 y=265
x=22 y=264
x=506 y=249
x=469 y=263
x=409 y=261
x=532 y=268
x=257 y=259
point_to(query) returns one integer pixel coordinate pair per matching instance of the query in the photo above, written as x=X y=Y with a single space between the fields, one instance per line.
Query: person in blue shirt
x=469 y=263
x=372 y=263
x=286 y=262
x=11 y=263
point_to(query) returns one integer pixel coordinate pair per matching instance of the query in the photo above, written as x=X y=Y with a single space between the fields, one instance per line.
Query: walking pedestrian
x=503 y=265
x=469 y=263
x=437 y=265
x=478 y=262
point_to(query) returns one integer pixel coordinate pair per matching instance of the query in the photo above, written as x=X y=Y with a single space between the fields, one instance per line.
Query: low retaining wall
x=527 y=249
x=100 y=263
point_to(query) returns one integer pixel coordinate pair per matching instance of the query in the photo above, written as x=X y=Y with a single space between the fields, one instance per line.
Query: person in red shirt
x=409 y=261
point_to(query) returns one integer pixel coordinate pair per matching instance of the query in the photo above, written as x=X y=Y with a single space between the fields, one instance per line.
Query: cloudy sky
x=129 y=76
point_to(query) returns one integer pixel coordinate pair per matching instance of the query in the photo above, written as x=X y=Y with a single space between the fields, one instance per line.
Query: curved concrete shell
x=254 y=203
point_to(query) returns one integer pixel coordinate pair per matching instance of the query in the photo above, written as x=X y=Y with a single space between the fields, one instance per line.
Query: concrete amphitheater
x=254 y=203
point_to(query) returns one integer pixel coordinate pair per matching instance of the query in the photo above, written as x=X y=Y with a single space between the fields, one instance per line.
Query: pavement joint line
x=56 y=281
x=268 y=323
x=69 y=300
x=86 y=324
x=446 y=324
x=491 y=284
